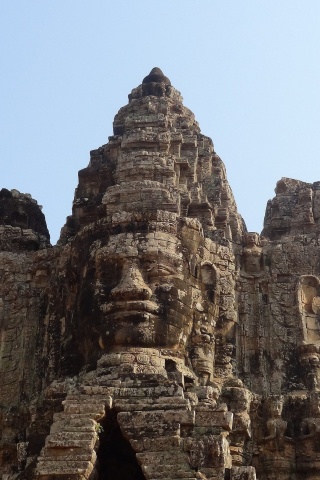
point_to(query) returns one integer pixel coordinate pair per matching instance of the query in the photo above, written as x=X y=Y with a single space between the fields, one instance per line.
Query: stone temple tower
x=159 y=339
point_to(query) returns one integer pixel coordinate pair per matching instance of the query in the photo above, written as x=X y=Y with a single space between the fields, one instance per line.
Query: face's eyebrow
x=160 y=256
x=148 y=246
x=120 y=248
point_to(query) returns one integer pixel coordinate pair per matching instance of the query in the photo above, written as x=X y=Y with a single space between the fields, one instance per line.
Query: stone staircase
x=69 y=450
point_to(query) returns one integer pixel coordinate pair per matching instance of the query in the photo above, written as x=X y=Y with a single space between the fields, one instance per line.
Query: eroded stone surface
x=160 y=339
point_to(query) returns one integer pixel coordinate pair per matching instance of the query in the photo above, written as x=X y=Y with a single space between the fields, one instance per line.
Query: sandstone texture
x=159 y=339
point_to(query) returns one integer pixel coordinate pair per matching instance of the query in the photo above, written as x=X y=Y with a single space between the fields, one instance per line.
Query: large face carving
x=149 y=293
x=141 y=278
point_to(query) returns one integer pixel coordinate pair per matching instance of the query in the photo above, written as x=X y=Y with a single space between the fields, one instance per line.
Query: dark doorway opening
x=116 y=457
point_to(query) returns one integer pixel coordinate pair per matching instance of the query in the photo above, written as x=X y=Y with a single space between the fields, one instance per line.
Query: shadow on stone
x=116 y=458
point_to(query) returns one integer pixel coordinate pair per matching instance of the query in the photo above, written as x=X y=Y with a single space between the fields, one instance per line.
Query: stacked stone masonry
x=159 y=339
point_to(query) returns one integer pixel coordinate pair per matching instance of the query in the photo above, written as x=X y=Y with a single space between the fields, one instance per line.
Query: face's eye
x=109 y=275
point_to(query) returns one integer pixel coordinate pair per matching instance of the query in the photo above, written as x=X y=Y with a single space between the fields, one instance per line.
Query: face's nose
x=131 y=285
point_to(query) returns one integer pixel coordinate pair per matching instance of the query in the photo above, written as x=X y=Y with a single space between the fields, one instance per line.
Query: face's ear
x=208 y=274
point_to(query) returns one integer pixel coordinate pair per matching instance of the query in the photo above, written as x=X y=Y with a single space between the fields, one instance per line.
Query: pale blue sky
x=248 y=69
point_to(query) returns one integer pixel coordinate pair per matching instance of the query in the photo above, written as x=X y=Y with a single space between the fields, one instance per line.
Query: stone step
x=176 y=471
x=84 y=398
x=74 y=476
x=77 y=435
x=94 y=390
x=138 y=392
x=163 y=457
x=74 y=424
x=71 y=439
x=155 y=444
x=150 y=404
x=89 y=408
x=140 y=432
x=184 y=417
x=61 y=416
x=53 y=467
x=75 y=453
x=60 y=443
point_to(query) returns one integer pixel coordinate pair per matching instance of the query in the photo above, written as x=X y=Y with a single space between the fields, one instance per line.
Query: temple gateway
x=159 y=339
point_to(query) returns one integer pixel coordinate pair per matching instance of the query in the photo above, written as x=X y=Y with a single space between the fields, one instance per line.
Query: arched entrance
x=116 y=459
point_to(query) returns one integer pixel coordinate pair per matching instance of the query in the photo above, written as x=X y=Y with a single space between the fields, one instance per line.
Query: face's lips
x=131 y=307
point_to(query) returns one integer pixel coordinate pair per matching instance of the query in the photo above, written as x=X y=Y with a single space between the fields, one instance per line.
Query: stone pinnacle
x=156 y=76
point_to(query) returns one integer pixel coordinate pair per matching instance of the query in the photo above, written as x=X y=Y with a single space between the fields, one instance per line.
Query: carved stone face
x=276 y=407
x=148 y=295
x=251 y=239
x=145 y=299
